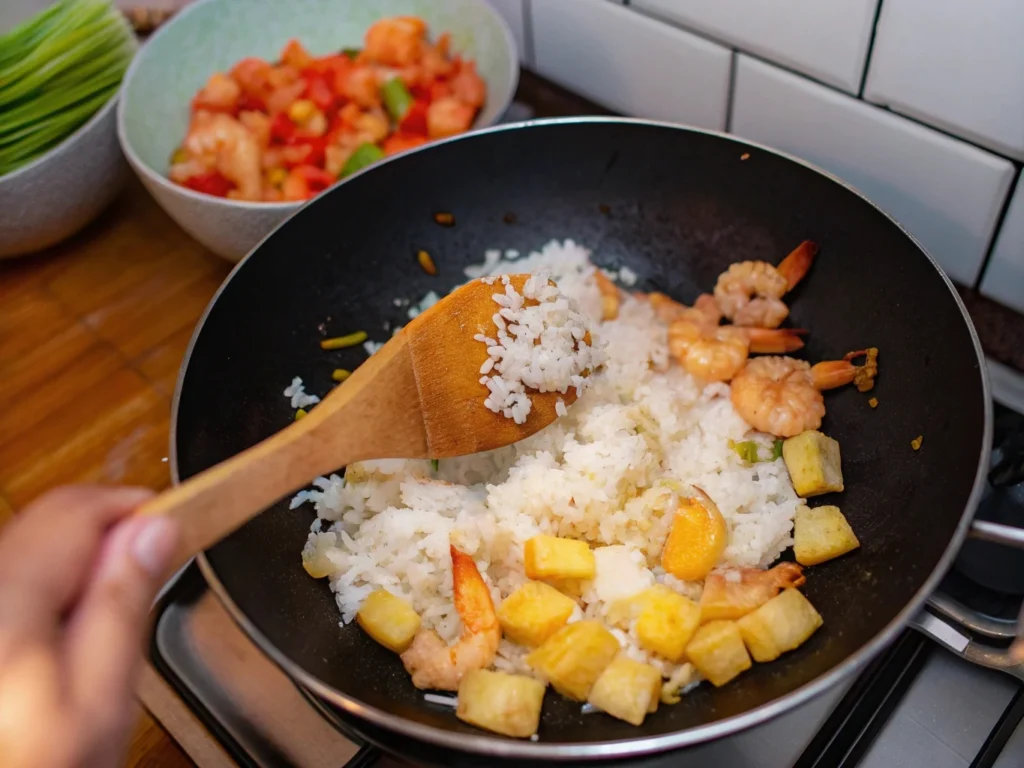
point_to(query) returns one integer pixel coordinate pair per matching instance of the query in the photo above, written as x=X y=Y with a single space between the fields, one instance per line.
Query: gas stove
x=943 y=695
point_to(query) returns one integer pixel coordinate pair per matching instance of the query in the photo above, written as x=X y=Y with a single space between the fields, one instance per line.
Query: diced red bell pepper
x=318 y=91
x=212 y=183
x=399 y=142
x=415 y=120
x=439 y=89
x=282 y=129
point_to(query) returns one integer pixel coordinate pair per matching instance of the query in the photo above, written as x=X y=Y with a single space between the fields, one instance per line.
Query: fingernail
x=153 y=546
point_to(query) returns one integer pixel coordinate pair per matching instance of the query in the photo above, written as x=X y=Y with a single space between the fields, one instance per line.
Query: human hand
x=77 y=579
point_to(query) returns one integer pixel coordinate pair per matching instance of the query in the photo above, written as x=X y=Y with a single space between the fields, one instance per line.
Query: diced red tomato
x=211 y=183
x=318 y=91
x=415 y=120
x=399 y=142
x=282 y=129
x=439 y=89
x=295 y=55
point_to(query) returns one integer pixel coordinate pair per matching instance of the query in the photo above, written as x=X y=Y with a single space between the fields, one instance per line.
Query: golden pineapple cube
x=821 y=534
x=666 y=622
x=813 y=463
x=533 y=613
x=780 y=625
x=388 y=619
x=717 y=651
x=627 y=689
x=574 y=657
x=549 y=557
x=499 y=702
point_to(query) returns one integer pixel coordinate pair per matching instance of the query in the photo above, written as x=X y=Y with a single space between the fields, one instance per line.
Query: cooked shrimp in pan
x=782 y=395
x=435 y=665
x=750 y=293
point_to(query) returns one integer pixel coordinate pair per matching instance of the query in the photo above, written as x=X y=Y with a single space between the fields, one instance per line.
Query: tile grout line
x=528 y=45
x=870 y=50
x=829 y=86
x=730 y=94
x=1017 y=181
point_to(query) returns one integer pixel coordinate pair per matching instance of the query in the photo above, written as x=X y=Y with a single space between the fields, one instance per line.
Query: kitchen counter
x=92 y=334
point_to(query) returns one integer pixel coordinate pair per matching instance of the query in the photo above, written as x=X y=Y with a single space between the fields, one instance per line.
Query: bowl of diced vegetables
x=233 y=115
x=61 y=65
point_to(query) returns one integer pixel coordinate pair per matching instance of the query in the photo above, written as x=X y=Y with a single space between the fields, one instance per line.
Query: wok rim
x=498 y=746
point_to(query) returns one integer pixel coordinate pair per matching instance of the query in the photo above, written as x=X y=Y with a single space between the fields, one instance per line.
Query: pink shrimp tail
x=775 y=341
x=795 y=266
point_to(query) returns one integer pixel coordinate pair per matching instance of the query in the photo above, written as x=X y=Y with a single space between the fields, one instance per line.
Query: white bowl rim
x=97 y=117
x=229 y=203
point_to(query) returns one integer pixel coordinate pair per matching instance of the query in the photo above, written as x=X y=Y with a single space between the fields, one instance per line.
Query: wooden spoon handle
x=214 y=503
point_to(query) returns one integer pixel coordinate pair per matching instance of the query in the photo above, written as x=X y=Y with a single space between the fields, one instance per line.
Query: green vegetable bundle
x=56 y=70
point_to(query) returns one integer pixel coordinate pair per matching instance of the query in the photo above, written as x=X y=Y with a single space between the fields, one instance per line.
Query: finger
x=46 y=553
x=105 y=631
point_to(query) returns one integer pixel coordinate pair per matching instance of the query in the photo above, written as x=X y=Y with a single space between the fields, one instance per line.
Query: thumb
x=105 y=633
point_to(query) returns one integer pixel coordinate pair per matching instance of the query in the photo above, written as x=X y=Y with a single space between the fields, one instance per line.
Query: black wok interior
x=676 y=207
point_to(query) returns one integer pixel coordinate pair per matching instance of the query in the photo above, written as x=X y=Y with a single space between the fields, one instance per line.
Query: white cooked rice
x=605 y=472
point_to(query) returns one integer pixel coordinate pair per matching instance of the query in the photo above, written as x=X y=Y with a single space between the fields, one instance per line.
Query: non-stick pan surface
x=676 y=206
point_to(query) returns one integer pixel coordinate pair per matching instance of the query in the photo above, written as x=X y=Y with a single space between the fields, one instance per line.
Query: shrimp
x=782 y=396
x=220 y=94
x=395 y=42
x=361 y=87
x=447 y=117
x=468 y=87
x=609 y=296
x=725 y=598
x=704 y=310
x=750 y=292
x=235 y=148
x=435 y=665
x=717 y=353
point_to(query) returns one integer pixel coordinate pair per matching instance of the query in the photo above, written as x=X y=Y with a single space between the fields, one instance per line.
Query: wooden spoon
x=418 y=397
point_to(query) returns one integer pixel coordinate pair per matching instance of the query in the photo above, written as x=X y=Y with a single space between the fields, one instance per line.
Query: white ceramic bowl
x=212 y=35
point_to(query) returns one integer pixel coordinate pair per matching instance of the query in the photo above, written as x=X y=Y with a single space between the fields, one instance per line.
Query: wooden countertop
x=91 y=336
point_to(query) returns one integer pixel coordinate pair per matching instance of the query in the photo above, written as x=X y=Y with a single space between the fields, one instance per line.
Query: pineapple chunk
x=506 y=704
x=574 y=657
x=388 y=619
x=666 y=622
x=813 y=463
x=821 y=534
x=627 y=690
x=533 y=613
x=780 y=625
x=718 y=653
x=549 y=557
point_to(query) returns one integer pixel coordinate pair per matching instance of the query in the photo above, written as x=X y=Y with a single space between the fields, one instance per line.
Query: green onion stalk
x=57 y=70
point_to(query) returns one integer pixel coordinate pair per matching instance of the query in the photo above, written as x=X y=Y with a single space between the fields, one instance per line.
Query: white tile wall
x=946 y=192
x=631 y=63
x=1004 y=276
x=515 y=14
x=956 y=64
x=826 y=39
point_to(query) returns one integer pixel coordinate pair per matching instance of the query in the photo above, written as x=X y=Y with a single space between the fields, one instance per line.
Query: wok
x=676 y=206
